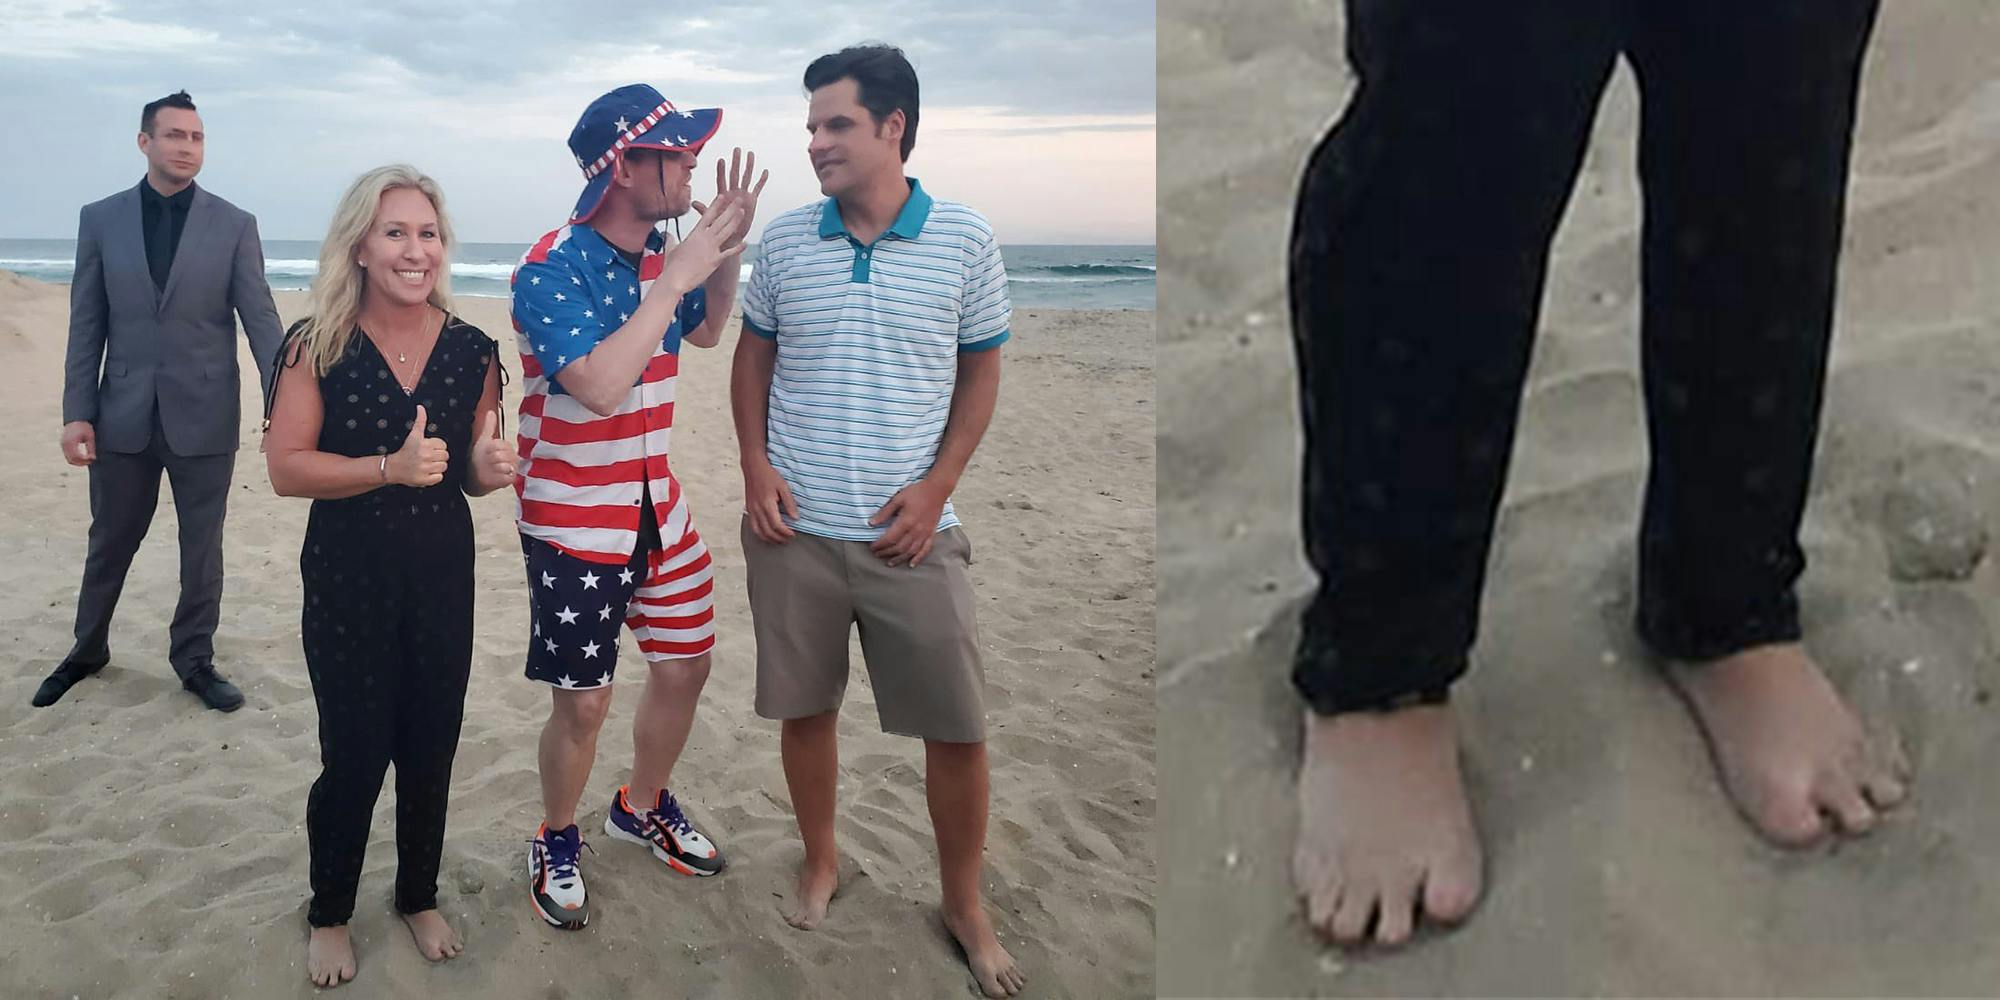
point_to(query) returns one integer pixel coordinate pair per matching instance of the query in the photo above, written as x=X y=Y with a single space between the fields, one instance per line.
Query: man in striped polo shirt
x=601 y=306
x=866 y=374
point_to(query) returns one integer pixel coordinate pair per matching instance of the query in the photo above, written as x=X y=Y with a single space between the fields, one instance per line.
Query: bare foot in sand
x=1790 y=751
x=995 y=969
x=1385 y=832
x=811 y=896
x=435 y=938
x=329 y=956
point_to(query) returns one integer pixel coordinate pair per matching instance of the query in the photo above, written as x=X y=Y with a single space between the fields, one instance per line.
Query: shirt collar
x=596 y=243
x=909 y=222
x=179 y=199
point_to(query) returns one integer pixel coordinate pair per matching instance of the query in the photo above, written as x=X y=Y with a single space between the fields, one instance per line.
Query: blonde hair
x=334 y=303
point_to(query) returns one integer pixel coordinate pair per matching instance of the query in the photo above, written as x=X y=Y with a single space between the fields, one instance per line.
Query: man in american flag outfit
x=602 y=306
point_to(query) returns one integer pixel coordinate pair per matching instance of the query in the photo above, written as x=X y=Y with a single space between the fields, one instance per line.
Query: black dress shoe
x=213 y=691
x=58 y=683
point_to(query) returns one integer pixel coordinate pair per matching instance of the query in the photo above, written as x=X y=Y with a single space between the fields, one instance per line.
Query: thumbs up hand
x=421 y=460
x=493 y=459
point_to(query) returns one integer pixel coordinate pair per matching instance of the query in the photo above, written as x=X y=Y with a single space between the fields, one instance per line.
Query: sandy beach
x=1615 y=864
x=159 y=847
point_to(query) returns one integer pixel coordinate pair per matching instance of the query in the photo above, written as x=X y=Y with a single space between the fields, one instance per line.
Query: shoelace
x=563 y=865
x=670 y=816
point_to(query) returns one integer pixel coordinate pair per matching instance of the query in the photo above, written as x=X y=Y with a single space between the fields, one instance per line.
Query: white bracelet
x=385 y=468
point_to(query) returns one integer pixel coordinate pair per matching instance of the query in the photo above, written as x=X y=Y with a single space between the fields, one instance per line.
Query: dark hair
x=177 y=99
x=882 y=77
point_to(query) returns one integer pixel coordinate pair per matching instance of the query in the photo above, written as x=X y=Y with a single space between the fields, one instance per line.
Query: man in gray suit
x=151 y=385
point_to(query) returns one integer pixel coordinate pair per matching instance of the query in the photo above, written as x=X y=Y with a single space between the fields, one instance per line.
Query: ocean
x=1039 y=277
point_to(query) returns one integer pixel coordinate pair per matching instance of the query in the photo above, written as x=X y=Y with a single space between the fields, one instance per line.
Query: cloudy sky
x=1039 y=113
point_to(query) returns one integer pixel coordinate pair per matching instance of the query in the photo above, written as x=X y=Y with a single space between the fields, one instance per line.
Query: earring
x=361 y=263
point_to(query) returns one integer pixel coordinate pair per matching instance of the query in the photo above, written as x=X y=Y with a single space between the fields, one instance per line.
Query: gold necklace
x=402 y=358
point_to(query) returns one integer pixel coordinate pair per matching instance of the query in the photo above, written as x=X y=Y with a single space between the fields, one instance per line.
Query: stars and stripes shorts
x=576 y=608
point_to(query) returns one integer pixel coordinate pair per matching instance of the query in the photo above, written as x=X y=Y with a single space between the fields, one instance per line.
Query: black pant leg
x=354 y=663
x=1747 y=117
x=1418 y=251
x=437 y=635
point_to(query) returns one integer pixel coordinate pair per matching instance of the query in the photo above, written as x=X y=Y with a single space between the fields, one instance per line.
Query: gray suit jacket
x=131 y=343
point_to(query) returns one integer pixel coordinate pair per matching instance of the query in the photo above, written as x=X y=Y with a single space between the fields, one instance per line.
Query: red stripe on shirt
x=631 y=470
x=618 y=517
x=613 y=428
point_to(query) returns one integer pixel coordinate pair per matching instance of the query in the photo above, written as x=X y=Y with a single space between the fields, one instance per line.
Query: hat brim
x=678 y=132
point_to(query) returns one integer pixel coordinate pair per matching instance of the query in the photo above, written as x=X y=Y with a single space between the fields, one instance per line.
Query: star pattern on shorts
x=568 y=617
x=589 y=581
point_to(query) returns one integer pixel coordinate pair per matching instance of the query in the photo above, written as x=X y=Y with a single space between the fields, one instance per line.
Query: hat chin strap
x=663 y=197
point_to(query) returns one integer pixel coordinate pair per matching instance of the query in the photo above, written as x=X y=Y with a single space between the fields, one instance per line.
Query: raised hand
x=421 y=460
x=692 y=260
x=492 y=460
x=735 y=189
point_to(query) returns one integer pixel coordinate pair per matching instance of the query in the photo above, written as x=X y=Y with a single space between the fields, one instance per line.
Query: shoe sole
x=617 y=832
x=228 y=707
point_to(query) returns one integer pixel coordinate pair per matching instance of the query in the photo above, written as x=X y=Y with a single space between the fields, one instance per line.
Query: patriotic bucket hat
x=631 y=117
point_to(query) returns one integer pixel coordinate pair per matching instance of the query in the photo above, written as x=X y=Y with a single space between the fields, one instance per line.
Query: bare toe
x=1884 y=791
x=1791 y=820
x=1449 y=894
x=1842 y=798
x=1320 y=906
x=1351 y=917
x=1886 y=781
x=1398 y=913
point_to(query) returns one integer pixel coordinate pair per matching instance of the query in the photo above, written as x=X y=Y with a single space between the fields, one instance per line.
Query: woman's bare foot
x=435 y=938
x=329 y=956
x=810 y=898
x=1385 y=831
x=995 y=969
x=1790 y=751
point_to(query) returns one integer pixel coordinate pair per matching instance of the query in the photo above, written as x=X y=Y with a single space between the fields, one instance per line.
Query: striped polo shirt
x=868 y=344
x=582 y=476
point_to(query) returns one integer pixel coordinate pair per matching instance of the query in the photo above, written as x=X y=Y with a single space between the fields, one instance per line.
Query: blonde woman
x=385 y=413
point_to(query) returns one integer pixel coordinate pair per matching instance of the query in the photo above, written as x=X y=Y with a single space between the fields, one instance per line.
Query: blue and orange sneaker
x=555 y=880
x=666 y=830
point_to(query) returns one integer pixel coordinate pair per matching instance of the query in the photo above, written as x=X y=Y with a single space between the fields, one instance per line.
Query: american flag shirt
x=582 y=476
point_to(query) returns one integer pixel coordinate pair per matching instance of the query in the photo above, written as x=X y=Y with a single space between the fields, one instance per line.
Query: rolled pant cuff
x=407 y=905
x=1678 y=639
x=1331 y=684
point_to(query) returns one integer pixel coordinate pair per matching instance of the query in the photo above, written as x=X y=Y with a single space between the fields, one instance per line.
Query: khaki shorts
x=919 y=636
